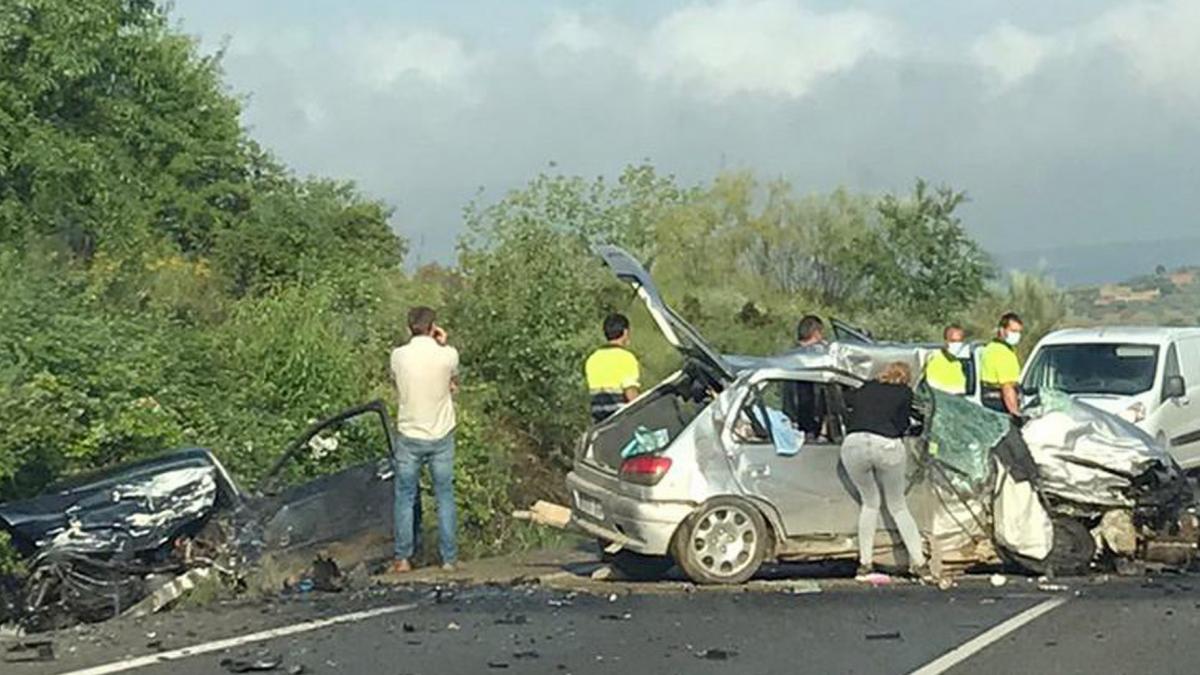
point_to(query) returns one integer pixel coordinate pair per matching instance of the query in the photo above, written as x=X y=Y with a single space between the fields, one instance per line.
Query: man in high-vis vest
x=612 y=370
x=944 y=370
x=1000 y=369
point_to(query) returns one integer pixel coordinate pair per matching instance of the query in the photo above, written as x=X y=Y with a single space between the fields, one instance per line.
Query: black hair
x=421 y=320
x=615 y=326
x=809 y=326
x=1010 y=318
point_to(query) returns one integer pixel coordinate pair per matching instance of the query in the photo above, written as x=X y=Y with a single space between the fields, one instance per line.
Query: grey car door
x=809 y=489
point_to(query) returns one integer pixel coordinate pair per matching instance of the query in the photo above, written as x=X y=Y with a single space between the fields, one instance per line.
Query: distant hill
x=1094 y=264
x=1169 y=297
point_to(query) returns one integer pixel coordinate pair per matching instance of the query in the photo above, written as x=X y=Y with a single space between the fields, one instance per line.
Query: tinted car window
x=1114 y=369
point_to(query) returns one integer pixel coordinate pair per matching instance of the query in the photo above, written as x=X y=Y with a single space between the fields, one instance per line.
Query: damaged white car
x=708 y=470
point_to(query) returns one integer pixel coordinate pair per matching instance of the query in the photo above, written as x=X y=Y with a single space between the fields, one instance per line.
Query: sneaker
x=864 y=571
x=400 y=566
x=449 y=567
x=923 y=574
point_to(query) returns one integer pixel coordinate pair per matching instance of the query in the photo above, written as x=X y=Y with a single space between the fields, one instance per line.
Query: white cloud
x=1010 y=54
x=568 y=31
x=383 y=58
x=775 y=47
x=1158 y=40
x=1161 y=40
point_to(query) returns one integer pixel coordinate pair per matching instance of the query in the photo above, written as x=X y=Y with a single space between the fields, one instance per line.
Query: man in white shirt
x=425 y=372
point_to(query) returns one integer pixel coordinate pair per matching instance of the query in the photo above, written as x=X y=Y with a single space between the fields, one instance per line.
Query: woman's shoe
x=923 y=574
x=864 y=572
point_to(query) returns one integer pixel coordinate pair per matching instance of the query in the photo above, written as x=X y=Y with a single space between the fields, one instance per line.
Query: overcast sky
x=1065 y=121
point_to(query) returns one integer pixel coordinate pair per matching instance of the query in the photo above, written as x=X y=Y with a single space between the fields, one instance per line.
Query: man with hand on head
x=425 y=372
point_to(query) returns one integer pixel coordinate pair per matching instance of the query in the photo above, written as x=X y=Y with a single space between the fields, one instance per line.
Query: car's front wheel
x=723 y=542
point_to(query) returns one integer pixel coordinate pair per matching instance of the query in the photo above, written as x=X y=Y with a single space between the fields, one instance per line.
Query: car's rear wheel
x=723 y=542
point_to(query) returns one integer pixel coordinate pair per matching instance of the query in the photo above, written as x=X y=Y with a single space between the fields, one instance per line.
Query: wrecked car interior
x=133 y=538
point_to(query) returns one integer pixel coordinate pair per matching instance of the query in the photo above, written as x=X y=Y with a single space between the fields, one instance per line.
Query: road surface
x=569 y=625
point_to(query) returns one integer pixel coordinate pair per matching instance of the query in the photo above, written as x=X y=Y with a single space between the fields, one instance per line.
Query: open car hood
x=674 y=328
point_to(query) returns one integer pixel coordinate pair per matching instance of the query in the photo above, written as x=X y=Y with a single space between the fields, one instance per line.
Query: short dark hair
x=952 y=328
x=808 y=327
x=421 y=319
x=615 y=326
x=1009 y=318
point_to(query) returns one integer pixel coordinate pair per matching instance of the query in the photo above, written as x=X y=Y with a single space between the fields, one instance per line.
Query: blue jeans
x=411 y=455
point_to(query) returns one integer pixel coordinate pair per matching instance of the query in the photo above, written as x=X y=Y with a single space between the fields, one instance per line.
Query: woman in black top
x=874 y=455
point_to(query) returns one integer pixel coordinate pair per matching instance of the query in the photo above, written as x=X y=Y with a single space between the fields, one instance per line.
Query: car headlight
x=1134 y=413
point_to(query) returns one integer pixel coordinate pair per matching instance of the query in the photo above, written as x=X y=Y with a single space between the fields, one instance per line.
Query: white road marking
x=976 y=644
x=219 y=645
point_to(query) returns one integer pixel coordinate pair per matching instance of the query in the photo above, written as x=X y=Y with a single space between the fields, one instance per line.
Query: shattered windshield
x=1106 y=369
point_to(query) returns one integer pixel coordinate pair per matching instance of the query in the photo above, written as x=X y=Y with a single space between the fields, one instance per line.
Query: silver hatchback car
x=718 y=494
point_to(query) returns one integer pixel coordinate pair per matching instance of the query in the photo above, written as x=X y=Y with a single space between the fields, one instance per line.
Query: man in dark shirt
x=801 y=401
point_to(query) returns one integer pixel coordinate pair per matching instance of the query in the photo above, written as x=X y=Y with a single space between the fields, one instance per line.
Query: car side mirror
x=1175 y=387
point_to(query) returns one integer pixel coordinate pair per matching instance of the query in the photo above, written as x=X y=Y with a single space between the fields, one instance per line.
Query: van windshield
x=1112 y=369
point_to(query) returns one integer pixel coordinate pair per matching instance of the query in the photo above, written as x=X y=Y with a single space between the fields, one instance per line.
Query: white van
x=1147 y=375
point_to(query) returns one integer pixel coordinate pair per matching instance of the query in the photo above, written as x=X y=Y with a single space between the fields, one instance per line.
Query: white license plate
x=591 y=506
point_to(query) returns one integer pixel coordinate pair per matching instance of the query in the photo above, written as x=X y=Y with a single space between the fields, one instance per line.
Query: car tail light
x=644 y=470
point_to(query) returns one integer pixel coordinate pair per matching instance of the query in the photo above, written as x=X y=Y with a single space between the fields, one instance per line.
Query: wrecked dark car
x=99 y=544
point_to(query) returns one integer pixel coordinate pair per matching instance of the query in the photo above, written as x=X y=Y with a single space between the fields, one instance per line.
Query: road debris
x=511 y=619
x=30 y=651
x=716 y=654
x=890 y=635
x=604 y=573
x=260 y=663
x=998 y=580
x=453 y=626
x=546 y=513
x=169 y=592
x=616 y=617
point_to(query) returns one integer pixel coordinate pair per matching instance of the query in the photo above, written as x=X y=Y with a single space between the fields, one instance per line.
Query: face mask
x=956 y=349
x=1012 y=339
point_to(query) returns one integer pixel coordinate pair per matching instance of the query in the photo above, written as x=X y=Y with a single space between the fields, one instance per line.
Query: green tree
x=922 y=261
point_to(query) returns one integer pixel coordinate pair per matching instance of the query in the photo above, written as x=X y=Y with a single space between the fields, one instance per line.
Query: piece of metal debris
x=716 y=654
x=169 y=592
x=30 y=651
x=889 y=635
x=258 y=664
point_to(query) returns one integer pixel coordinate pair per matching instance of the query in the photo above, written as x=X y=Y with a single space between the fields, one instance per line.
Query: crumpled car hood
x=1089 y=456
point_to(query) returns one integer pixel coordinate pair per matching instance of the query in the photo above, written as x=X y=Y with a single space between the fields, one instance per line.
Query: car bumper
x=636 y=524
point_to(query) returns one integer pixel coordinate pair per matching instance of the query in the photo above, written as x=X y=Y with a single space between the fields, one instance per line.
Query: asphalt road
x=1102 y=625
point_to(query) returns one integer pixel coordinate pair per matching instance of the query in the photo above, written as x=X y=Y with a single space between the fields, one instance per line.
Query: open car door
x=675 y=329
x=331 y=490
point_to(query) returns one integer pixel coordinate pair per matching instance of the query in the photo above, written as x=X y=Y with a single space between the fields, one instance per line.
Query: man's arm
x=1012 y=400
x=633 y=381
